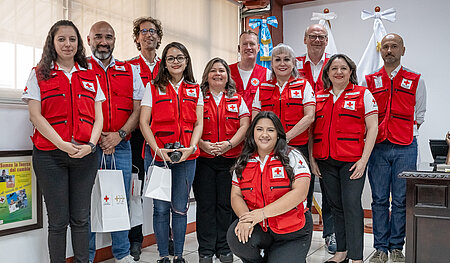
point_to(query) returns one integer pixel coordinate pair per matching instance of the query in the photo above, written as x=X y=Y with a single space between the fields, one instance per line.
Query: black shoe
x=205 y=259
x=135 y=250
x=179 y=260
x=332 y=261
x=171 y=248
x=226 y=258
x=163 y=260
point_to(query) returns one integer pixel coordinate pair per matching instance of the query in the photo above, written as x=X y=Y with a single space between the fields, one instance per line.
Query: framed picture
x=20 y=198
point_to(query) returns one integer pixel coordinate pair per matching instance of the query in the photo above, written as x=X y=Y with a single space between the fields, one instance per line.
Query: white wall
x=424 y=28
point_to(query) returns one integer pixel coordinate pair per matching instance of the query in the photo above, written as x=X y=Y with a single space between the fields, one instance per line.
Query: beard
x=102 y=55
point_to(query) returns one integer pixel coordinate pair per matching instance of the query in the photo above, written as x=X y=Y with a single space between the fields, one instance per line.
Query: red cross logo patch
x=232 y=107
x=406 y=83
x=106 y=200
x=296 y=94
x=120 y=68
x=378 y=82
x=254 y=81
x=2 y=199
x=277 y=172
x=88 y=85
x=192 y=92
x=349 y=105
x=25 y=91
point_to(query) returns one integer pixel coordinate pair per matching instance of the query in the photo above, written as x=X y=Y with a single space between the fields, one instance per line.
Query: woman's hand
x=243 y=231
x=207 y=147
x=68 y=147
x=83 y=151
x=186 y=152
x=358 y=169
x=221 y=147
x=314 y=167
x=253 y=217
x=163 y=154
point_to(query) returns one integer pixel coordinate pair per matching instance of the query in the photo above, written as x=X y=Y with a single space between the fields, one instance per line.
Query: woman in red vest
x=225 y=120
x=343 y=137
x=64 y=101
x=174 y=104
x=270 y=182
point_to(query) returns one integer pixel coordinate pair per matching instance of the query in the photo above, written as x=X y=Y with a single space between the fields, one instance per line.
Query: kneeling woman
x=270 y=182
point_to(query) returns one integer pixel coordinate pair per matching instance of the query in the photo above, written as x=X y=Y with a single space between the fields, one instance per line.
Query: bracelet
x=231 y=145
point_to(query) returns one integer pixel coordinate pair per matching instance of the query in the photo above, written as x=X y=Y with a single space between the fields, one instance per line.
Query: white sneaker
x=127 y=259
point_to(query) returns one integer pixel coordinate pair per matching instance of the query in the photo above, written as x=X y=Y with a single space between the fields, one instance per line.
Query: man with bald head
x=123 y=89
x=310 y=66
x=401 y=97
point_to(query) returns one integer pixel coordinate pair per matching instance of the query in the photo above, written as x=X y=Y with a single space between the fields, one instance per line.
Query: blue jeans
x=385 y=163
x=122 y=156
x=182 y=178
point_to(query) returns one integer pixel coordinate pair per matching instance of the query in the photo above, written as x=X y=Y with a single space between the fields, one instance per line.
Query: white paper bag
x=135 y=204
x=159 y=185
x=109 y=209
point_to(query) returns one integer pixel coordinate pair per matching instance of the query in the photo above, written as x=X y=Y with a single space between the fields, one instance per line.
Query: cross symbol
x=300 y=162
x=374 y=101
x=232 y=107
x=88 y=85
x=106 y=198
x=2 y=199
x=296 y=93
x=25 y=90
x=349 y=104
x=191 y=91
x=406 y=82
x=278 y=171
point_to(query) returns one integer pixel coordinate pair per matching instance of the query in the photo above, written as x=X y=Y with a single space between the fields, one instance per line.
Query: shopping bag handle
x=164 y=160
x=103 y=162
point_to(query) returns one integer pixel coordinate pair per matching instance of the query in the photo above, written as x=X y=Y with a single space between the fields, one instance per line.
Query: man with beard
x=310 y=67
x=401 y=97
x=147 y=35
x=123 y=89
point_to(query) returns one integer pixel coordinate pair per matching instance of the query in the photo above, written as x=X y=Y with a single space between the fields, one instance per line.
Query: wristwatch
x=122 y=133
x=93 y=147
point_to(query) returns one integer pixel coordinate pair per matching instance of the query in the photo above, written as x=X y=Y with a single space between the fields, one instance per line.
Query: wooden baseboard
x=105 y=253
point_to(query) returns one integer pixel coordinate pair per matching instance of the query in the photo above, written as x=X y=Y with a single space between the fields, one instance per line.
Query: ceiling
x=251 y=4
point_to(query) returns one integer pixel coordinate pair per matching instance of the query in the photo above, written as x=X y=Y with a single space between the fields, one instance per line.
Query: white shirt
x=151 y=65
x=33 y=91
x=147 y=100
x=315 y=69
x=421 y=99
x=138 y=86
x=308 y=96
x=370 y=104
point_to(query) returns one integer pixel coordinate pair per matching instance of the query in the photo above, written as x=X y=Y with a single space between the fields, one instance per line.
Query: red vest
x=69 y=106
x=117 y=85
x=221 y=123
x=288 y=106
x=304 y=69
x=259 y=74
x=339 y=130
x=396 y=100
x=262 y=188
x=146 y=74
x=174 y=116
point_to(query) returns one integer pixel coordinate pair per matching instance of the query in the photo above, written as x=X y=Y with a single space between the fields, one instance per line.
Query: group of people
x=252 y=173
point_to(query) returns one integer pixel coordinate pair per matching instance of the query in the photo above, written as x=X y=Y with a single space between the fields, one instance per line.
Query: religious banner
x=20 y=201
x=265 y=40
x=324 y=20
x=371 y=59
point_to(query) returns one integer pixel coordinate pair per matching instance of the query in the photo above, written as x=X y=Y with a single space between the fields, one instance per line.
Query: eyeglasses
x=314 y=37
x=179 y=58
x=150 y=31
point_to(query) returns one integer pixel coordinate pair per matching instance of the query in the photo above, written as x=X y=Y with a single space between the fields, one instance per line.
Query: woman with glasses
x=65 y=105
x=343 y=137
x=270 y=182
x=172 y=114
x=225 y=120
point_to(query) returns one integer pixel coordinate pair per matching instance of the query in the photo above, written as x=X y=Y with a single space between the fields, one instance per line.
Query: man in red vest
x=246 y=73
x=310 y=66
x=147 y=35
x=123 y=90
x=401 y=97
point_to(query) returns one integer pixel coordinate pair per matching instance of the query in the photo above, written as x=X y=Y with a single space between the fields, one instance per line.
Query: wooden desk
x=427 y=216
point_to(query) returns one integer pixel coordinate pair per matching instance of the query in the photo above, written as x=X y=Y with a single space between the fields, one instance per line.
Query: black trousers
x=287 y=248
x=327 y=215
x=344 y=196
x=66 y=184
x=137 y=141
x=212 y=187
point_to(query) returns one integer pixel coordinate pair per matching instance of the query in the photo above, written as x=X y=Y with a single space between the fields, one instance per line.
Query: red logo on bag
x=106 y=199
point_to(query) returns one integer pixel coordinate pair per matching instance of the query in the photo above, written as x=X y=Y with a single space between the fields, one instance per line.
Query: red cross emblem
x=192 y=93
x=106 y=198
x=254 y=81
x=232 y=108
x=300 y=162
x=349 y=105
x=296 y=93
x=89 y=86
x=25 y=90
x=278 y=171
x=374 y=102
x=406 y=83
x=2 y=199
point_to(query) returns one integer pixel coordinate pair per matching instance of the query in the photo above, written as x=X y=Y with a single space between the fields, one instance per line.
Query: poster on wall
x=20 y=199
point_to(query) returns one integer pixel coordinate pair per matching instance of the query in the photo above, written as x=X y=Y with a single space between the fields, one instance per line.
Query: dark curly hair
x=281 y=149
x=49 y=54
x=230 y=86
x=137 y=28
x=163 y=77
